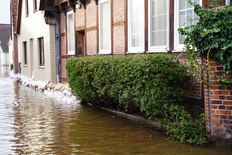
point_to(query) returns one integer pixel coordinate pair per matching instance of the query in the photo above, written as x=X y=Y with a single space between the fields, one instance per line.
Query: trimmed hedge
x=144 y=80
x=156 y=83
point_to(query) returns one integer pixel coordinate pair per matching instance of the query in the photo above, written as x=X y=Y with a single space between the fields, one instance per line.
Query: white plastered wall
x=33 y=27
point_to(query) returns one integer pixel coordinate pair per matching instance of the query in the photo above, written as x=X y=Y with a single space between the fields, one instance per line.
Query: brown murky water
x=31 y=123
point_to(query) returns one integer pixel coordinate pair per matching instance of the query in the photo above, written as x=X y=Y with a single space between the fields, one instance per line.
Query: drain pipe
x=209 y=103
x=57 y=32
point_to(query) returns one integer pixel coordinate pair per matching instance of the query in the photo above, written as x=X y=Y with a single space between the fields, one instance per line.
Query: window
x=41 y=51
x=25 y=52
x=104 y=27
x=70 y=33
x=135 y=26
x=228 y=2
x=184 y=16
x=158 y=25
x=26 y=8
x=35 y=5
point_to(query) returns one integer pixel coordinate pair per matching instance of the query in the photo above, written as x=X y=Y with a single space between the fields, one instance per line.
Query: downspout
x=209 y=101
x=58 y=67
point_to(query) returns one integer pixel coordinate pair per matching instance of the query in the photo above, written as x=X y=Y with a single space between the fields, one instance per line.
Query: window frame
x=177 y=46
x=153 y=49
x=25 y=60
x=104 y=51
x=35 y=5
x=26 y=8
x=227 y=2
x=131 y=49
x=41 y=51
x=70 y=52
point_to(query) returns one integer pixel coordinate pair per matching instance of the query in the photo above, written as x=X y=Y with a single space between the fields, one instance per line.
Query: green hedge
x=153 y=82
x=145 y=80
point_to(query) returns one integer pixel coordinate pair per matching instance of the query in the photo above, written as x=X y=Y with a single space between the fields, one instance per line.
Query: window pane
x=70 y=32
x=136 y=23
x=187 y=16
x=104 y=26
x=182 y=4
x=159 y=13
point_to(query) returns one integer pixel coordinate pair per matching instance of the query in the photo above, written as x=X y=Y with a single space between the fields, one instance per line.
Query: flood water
x=31 y=123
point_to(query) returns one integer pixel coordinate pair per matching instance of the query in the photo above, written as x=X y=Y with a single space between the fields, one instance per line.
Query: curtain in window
x=70 y=24
x=105 y=25
x=159 y=22
x=137 y=23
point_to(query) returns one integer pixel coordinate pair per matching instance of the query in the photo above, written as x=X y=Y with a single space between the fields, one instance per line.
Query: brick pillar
x=15 y=54
x=218 y=106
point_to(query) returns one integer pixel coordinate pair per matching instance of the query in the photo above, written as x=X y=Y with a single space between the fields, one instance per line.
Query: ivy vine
x=211 y=38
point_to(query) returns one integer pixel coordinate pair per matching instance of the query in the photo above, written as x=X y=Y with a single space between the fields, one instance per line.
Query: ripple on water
x=30 y=123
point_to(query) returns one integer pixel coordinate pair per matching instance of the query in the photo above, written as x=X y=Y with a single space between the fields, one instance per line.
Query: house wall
x=63 y=44
x=218 y=105
x=10 y=47
x=91 y=28
x=33 y=27
x=119 y=25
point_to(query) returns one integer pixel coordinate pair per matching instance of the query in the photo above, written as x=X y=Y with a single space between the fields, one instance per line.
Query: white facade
x=36 y=36
x=4 y=57
x=10 y=49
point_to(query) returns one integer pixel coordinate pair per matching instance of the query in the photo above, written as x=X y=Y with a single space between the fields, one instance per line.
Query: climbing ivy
x=211 y=37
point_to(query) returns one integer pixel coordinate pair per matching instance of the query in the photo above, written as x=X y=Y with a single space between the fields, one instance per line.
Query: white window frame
x=178 y=47
x=227 y=2
x=70 y=52
x=152 y=49
x=104 y=51
x=140 y=49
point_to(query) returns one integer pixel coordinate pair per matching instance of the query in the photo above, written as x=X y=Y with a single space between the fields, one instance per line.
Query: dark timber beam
x=51 y=9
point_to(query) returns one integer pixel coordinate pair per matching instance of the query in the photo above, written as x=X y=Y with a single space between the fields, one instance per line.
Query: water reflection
x=39 y=124
x=30 y=123
x=4 y=71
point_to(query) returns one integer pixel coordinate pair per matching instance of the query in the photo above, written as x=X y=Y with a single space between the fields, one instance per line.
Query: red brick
x=229 y=117
x=229 y=97
x=222 y=107
x=224 y=112
x=214 y=107
x=228 y=107
x=213 y=63
x=216 y=102
x=221 y=97
x=213 y=111
x=214 y=97
x=213 y=87
x=215 y=116
x=228 y=121
x=216 y=121
x=221 y=92
x=223 y=117
x=219 y=68
x=227 y=102
x=229 y=87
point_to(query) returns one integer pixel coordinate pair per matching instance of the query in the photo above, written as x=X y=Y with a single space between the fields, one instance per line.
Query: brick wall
x=91 y=28
x=218 y=106
x=195 y=90
x=118 y=27
x=80 y=17
x=63 y=46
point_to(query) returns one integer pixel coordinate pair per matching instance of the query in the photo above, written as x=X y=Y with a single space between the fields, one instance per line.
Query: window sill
x=25 y=65
x=101 y=53
x=36 y=10
x=134 y=52
x=71 y=54
x=41 y=67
